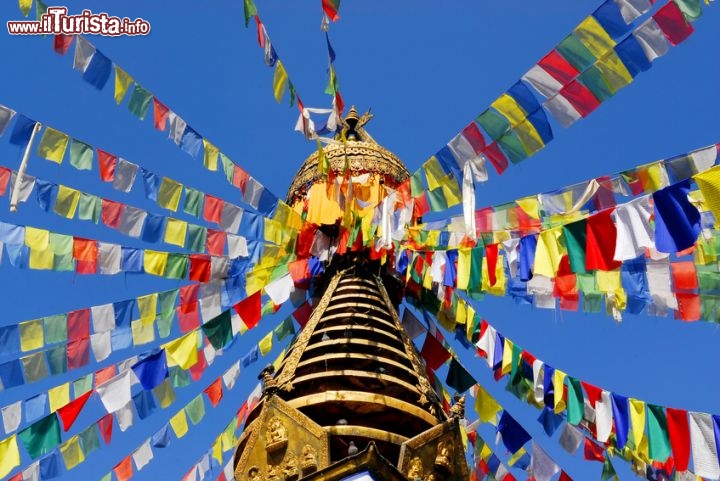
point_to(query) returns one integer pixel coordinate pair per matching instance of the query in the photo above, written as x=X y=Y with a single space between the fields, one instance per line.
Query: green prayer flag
x=593 y=302
x=250 y=10
x=83 y=385
x=659 y=444
x=164 y=323
x=575 y=235
x=60 y=243
x=575 y=403
x=690 y=9
x=81 y=155
x=577 y=54
x=594 y=81
x=89 y=438
x=34 y=367
x=63 y=262
x=197 y=237
x=608 y=471
x=219 y=330
x=41 y=437
x=195 y=409
x=416 y=183
x=167 y=300
x=293 y=94
x=436 y=199
x=285 y=329
x=193 y=201
x=55 y=328
x=494 y=123
x=107 y=477
x=89 y=207
x=710 y=308
x=140 y=102
x=708 y=281
x=40 y=10
x=458 y=378
x=476 y=257
x=177 y=265
x=57 y=359
x=228 y=167
x=164 y=391
x=513 y=147
x=515 y=362
x=179 y=377
x=518 y=386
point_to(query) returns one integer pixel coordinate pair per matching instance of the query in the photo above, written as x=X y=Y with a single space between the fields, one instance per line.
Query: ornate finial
x=267 y=379
x=458 y=409
x=353 y=125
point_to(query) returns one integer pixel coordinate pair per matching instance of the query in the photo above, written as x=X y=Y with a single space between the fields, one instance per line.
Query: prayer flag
x=152 y=370
x=169 y=194
x=81 y=155
x=69 y=412
x=160 y=114
x=280 y=81
x=9 y=455
x=53 y=145
x=210 y=155
x=140 y=101
x=122 y=84
x=179 y=424
x=265 y=344
x=41 y=437
x=671 y=21
x=183 y=351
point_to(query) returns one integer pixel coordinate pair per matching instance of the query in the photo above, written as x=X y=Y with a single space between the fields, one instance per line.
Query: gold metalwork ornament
x=309 y=460
x=444 y=457
x=291 y=471
x=415 y=473
x=276 y=435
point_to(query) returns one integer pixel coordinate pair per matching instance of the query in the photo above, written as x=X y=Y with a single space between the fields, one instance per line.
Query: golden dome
x=360 y=153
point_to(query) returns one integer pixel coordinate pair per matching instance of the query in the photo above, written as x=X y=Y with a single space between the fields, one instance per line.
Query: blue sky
x=426 y=69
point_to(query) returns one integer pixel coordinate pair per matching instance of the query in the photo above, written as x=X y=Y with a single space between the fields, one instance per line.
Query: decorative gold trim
x=361 y=342
x=358 y=396
x=355 y=316
x=355 y=373
x=365 y=432
x=369 y=357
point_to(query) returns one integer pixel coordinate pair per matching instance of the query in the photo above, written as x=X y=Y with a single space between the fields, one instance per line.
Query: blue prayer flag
x=11 y=374
x=621 y=419
x=610 y=19
x=513 y=435
x=151 y=181
x=22 y=131
x=677 y=221
x=153 y=229
x=132 y=260
x=632 y=56
x=98 y=71
x=152 y=370
x=191 y=142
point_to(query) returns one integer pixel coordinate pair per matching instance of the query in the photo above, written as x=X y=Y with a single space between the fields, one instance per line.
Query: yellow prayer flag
x=433 y=172
x=497 y=289
x=183 y=351
x=530 y=206
x=460 y=311
x=510 y=109
x=559 y=387
x=9 y=455
x=25 y=6
x=37 y=238
x=653 y=176
x=164 y=393
x=59 y=396
x=53 y=145
x=67 y=201
x=637 y=420
x=506 y=365
x=548 y=252
x=485 y=452
x=41 y=260
x=516 y=456
x=266 y=344
x=613 y=71
x=280 y=81
x=486 y=406
x=169 y=194
x=155 y=262
x=594 y=37
x=179 y=424
x=210 y=157
x=451 y=190
x=470 y=324
x=709 y=183
x=122 y=84
x=463 y=269
x=72 y=453
x=529 y=137
x=278 y=360
x=273 y=231
x=217 y=450
x=464 y=436
x=142 y=333
x=31 y=335
x=176 y=232
x=147 y=305
x=446 y=320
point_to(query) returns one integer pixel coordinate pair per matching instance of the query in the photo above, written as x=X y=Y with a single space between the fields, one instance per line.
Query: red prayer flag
x=433 y=352
x=240 y=178
x=107 y=164
x=496 y=157
x=188 y=317
x=673 y=24
x=299 y=270
x=421 y=206
x=105 y=424
x=593 y=452
x=600 y=245
x=214 y=392
x=69 y=412
x=5 y=175
x=302 y=313
x=85 y=251
x=242 y=413
x=559 y=68
x=331 y=7
x=215 y=242
x=564 y=476
x=474 y=137
x=580 y=97
x=17 y=477
x=78 y=353
x=189 y=294
x=679 y=437
x=684 y=275
x=160 y=114
x=124 y=470
x=61 y=43
x=491 y=252
x=250 y=310
x=689 y=307
x=112 y=213
x=212 y=210
x=593 y=392
x=305 y=240
x=78 y=324
x=104 y=374
x=199 y=268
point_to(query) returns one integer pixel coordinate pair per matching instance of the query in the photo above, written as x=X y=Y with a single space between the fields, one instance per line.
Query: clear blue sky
x=426 y=69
